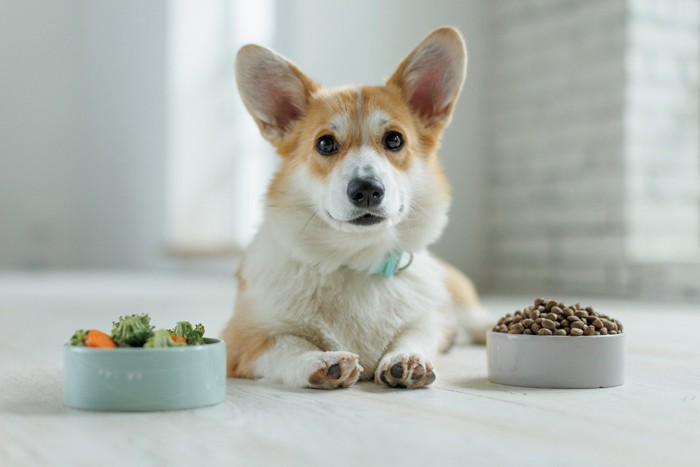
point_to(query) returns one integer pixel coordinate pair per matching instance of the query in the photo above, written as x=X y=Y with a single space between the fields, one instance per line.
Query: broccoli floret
x=79 y=338
x=132 y=330
x=193 y=335
x=163 y=338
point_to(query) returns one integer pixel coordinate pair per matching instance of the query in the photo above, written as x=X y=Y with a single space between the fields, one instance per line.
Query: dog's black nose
x=365 y=192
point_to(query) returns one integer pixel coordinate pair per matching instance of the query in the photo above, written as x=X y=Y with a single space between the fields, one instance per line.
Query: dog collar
x=392 y=264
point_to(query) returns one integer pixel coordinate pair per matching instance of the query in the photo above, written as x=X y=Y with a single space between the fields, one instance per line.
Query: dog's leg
x=407 y=364
x=471 y=317
x=298 y=363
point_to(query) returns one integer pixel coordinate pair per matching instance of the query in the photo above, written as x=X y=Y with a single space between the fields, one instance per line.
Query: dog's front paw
x=335 y=370
x=404 y=371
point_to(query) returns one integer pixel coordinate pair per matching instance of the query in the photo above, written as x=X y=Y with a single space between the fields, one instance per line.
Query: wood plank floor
x=463 y=419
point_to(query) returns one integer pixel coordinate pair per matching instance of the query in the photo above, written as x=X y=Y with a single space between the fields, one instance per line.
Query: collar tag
x=392 y=264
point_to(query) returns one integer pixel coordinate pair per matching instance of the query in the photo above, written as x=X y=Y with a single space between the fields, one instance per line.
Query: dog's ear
x=430 y=78
x=275 y=91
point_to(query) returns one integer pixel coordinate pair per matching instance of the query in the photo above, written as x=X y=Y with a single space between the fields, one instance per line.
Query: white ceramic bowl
x=556 y=361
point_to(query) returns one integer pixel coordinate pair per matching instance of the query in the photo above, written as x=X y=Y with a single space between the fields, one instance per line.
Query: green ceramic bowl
x=138 y=379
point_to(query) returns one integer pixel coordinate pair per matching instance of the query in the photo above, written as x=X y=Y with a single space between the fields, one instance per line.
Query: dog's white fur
x=310 y=312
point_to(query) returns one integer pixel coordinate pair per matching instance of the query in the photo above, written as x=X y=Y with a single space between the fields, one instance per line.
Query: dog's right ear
x=274 y=90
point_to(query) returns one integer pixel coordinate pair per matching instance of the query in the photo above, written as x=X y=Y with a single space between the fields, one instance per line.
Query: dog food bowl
x=556 y=361
x=144 y=379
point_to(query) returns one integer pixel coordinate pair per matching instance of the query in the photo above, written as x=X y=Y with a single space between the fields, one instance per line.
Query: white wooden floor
x=654 y=419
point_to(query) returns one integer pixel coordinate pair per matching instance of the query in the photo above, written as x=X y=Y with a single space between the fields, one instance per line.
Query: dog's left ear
x=430 y=78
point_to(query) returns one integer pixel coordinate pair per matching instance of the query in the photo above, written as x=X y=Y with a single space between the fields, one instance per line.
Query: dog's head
x=359 y=174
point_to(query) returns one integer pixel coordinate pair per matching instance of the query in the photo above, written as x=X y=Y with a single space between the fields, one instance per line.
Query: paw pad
x=337 y=370
x=404 y=371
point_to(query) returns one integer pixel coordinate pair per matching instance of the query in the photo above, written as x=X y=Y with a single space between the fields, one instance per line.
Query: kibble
x=552 y=318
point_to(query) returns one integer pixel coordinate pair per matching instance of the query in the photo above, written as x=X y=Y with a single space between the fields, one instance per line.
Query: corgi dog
x=337 y=285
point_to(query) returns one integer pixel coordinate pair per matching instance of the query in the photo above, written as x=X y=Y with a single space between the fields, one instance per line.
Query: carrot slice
x=179 y=339
x=97 y=338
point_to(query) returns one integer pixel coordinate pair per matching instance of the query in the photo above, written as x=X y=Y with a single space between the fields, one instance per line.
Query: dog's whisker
x=307 y=222
x=428 y=195
x=418 y=209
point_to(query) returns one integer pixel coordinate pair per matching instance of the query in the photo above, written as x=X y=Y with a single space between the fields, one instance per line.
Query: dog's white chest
x=356 y=312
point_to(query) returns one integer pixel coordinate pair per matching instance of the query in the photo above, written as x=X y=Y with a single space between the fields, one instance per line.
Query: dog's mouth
x=367 y=219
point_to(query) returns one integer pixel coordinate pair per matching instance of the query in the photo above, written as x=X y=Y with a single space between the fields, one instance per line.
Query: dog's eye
x=393 y=140
x=327 y=145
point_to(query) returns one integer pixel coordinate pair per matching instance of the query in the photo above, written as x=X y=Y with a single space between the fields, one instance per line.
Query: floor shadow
x=482 y=383
x=374 y=388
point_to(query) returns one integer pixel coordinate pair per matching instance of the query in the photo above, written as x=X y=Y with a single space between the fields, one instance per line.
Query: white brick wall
x=662 y=150
x=555 y=140
x=662 y=131
x=593 y=146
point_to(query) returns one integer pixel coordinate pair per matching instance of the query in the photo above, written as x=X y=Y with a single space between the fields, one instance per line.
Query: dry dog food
x=551 y=318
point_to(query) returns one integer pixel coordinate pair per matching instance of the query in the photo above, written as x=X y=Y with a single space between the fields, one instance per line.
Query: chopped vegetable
x=179 y=339
x=92 y=338
x=79 y=338
x=193 y=335
x=136 y=331
x=163 y=338
x=132 y=330
x=95 y=338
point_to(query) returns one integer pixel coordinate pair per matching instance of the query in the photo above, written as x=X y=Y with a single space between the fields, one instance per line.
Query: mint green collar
x=392 y=264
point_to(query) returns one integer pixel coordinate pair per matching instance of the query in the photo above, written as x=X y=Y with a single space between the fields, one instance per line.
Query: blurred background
x=574 y=152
